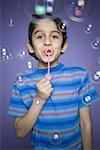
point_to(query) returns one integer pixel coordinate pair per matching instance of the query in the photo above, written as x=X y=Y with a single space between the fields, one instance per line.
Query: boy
x=55 y=110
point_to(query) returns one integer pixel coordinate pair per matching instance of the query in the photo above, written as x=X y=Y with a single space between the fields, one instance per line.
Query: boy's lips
x=48 y=52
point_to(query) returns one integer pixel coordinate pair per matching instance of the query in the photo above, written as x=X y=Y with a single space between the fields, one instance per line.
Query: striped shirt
x=58 y=124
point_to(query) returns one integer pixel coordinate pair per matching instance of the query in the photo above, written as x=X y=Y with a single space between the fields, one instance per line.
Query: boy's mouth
x=48 y=52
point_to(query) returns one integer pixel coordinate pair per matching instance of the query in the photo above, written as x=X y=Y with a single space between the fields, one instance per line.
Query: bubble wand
x=48 y=53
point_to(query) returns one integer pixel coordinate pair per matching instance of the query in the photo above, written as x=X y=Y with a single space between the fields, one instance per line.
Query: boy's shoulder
x=73 y=69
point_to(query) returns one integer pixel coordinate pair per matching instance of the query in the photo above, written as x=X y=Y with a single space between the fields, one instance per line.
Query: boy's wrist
x=38 y=100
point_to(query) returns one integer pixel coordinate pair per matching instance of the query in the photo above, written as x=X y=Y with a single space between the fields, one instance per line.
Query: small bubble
x=20 y=79
x=62 y=26
x=4 y=51
x=97 y=75
x=5 y=55
x=29 y=65
x=22 y=54
x=89 y=28
x=96 y=43
x=11 y=23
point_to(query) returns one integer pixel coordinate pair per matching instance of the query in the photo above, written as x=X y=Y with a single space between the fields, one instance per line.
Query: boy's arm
x=86 y=132
x=25 y=124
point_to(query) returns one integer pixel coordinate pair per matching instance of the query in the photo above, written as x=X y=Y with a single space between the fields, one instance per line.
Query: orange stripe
x=27 y=97
x=17 y=111
x=59 y=114
x=63 y=94
x=86 y=89
x=72 y=76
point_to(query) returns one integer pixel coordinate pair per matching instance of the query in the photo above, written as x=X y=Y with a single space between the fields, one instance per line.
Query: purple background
x=79 y=53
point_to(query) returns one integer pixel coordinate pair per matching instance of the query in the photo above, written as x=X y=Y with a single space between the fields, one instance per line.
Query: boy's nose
x=47 y=42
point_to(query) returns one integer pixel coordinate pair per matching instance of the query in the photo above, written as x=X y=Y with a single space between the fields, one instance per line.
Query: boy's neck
x=43 y=65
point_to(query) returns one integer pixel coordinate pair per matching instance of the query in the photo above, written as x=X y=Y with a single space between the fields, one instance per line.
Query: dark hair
x=59 y=23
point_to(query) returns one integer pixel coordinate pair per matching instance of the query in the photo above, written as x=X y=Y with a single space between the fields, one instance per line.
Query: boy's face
x=47 y=36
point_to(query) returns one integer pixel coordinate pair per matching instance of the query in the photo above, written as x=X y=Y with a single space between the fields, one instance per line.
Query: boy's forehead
x=46 y=23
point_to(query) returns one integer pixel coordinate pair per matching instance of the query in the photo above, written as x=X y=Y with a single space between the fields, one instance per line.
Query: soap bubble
x=22 y=54
x=5 y=55
x=11 y=23
x=29 y=7
x=96 y=76
x=20 y=79
x=62 y=26
x=89 y=28
x=39 y=7
x=29 y=65
x=56 y=138
x=78 y=12
x=96 y=43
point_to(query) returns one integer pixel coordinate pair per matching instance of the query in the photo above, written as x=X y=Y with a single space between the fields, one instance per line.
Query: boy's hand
x=44 y=88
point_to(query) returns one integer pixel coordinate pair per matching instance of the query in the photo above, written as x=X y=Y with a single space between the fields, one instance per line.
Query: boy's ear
x=30 y=48
x=64 y=47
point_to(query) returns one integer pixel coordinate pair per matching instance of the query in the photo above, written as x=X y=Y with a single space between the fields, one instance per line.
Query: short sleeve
x=87 y=91
x=16 y=106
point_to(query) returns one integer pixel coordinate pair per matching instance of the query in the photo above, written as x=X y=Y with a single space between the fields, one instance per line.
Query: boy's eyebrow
x=43 y=31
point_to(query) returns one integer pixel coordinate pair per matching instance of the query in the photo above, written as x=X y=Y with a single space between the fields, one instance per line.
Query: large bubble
x=39 y=7
x=78 y=11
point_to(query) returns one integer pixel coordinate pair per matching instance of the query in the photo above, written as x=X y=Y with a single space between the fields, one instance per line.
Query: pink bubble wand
x=48 y=53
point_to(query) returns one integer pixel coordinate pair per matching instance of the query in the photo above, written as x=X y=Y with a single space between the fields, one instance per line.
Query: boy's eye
x=39 y=36
x=55 y=36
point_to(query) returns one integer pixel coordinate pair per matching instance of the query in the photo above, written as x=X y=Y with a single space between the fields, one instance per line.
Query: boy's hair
x=59 y=23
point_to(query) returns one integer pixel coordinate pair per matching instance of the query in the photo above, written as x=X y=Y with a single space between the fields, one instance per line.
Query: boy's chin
x=45 y=60
x=52 y=60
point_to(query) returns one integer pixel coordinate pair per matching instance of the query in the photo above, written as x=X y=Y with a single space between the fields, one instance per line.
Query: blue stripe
x=56 y=123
